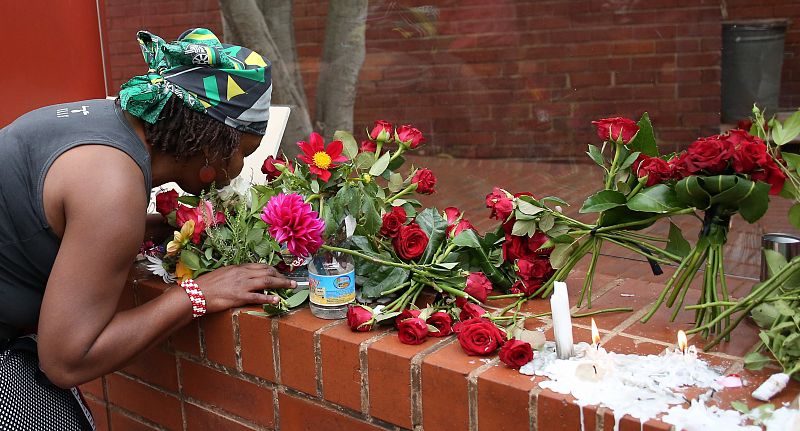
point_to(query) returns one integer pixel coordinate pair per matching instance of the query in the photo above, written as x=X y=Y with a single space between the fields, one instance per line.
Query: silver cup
x=787 y=245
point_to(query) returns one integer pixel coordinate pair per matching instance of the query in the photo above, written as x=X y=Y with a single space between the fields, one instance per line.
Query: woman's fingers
x=260 y=298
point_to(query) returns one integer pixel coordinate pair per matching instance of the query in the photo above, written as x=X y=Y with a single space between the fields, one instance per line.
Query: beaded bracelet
x=196 y=296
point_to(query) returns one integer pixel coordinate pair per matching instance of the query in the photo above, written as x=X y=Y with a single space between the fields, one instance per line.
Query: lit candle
x=562 y=321
x=595 y=336
x=595 y=351
x=683 y=343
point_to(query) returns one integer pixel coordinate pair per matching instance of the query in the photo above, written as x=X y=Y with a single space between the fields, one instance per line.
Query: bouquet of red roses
x=721 y=175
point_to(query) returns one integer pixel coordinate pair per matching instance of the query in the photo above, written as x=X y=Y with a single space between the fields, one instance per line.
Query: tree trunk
x=244 y=24
x=342 y=56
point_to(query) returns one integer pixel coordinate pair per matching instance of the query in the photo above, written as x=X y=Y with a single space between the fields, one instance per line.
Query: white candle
x=562 y=321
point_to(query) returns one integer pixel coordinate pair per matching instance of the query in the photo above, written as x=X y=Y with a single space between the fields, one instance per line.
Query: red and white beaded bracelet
x=196 y=296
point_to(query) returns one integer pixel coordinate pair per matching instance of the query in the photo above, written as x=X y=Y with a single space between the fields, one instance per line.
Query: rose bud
x=471 y=311
x=442 y=321
x=617 y=129
x=409 y=136
x=406 y=314
x=382 y=131
x=360 y=318
x=479 y=337
x=425 y=181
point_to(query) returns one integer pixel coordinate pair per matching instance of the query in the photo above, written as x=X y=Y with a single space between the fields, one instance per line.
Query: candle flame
x=595 y=335
x=683 y=343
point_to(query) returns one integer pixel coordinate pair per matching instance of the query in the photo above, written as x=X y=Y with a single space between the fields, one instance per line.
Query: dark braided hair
x=184 y=132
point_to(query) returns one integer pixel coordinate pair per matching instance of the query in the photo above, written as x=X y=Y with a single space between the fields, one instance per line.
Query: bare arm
x=81 y=336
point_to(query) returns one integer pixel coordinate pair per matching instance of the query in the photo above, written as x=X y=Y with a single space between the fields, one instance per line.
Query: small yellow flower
x=182 y=271
x=181 y=238
x=367 y=178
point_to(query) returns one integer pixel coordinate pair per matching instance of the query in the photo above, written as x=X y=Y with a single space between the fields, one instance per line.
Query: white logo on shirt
x=64 y=112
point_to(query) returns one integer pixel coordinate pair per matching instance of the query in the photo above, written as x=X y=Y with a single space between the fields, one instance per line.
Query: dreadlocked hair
x=184 y=132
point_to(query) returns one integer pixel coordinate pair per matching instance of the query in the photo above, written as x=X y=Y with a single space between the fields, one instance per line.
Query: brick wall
x=511 y=78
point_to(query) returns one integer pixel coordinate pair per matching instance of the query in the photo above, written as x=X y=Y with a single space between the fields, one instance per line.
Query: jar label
x=332 y=289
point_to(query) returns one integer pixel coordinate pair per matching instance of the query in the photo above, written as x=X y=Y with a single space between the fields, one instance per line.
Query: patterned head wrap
x=227 y=82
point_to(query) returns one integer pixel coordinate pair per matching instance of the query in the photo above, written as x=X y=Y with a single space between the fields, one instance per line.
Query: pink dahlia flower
x=292 y=221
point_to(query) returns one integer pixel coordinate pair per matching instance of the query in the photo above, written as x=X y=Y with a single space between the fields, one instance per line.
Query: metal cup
x=787 y=245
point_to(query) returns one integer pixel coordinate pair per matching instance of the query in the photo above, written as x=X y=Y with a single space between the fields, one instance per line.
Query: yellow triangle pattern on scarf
x=233 y=88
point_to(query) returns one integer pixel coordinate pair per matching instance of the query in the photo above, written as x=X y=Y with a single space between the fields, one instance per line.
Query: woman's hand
x=239 y=285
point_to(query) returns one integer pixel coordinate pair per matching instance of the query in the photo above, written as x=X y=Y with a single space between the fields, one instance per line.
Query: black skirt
x=28 y=401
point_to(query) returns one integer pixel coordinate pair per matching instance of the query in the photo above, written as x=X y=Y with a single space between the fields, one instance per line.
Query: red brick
x=445 y=398
x=389 y=375
x=145 y=401
x=556 y=412
x=299 y=414
x=157 y=368
x=95 y=388
x=341 y=366
x=99 y=413
x=629 y=423
x=503 y=399
x=255 y=338
x=187 y=339
x=218 y=338
x=239 y=397
x=200 y=419
x=297 y=355
x=120 y=421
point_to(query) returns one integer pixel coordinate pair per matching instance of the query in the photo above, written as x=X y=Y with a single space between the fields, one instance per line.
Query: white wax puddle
x=640 y=386
x=699 y=417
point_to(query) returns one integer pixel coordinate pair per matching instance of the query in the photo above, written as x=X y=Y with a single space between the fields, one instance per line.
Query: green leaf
x=562 y=252
x=383 y=162
x=522 y=227
x=629 y=160
x=383 y=318
x=740 y=406
x=190 y=259
x=690 y=192
x=764 y=314
x=348 y=142
x=676 y=243
x=467 y=238
x=775 y=261
x=794 y=215
x=644 y=141
x=383 y=279
x=396 y=163
x=315 y=186
x=755 y=361
x=659 y=198
x=190 y=200
x=297 y=299
x=792 y=160
x=364 y=160
x=263 y=248
x=209 y=253
x=395 y=182
x=434 y=226
x=554 y=199
x=546 y=222
x=595 y=155
x=754 y=204
x=602 y=200
x=372 y=218
x=447 y=266
x=255 y=235
x=783 y=134
x=528 y=208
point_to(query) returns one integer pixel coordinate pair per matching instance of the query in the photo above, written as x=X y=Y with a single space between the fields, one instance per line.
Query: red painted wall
x=52 y=54
x=512 y=78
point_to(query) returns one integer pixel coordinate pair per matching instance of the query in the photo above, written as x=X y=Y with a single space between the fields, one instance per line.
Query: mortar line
x=472 y=392
x=416 y=379
x=318 y=353
x=363 y=364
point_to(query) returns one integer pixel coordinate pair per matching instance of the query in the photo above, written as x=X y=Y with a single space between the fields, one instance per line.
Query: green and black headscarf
x=230 y=83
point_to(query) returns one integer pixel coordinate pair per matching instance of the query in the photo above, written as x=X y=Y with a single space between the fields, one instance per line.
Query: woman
x=73 y=196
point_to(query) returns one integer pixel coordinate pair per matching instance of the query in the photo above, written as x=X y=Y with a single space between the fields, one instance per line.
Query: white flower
x=238 y=187
x=156 y=266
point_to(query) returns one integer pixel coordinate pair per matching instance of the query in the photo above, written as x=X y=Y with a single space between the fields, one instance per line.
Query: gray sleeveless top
x=28 y=147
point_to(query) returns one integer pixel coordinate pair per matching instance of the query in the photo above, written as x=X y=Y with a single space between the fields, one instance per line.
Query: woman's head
x=199 y=99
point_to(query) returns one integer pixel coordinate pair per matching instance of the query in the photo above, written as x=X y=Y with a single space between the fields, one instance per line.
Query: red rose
x=270 y=169
x=470 y=311
x=442 y=321
x=382 y=131
x=615 y=129
x=516 y=353
x=678 y=167
x=656 y=169
x=410 y=242
x=166 y=202
x=368 y=147
x=406 y=314
x=478 y=286
x=527 y=286
x=203 y=217
x=534 y=268
x=479 y=337
x=772 y=175
x=521 y=247
x=392 y=222
x=744 y=124
x=500 y=203
x=425 y=181
x=360 y=318
x=749 y=157
x=409 y=136
x=708 y=154
x=412 y=331
x=456 y=223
